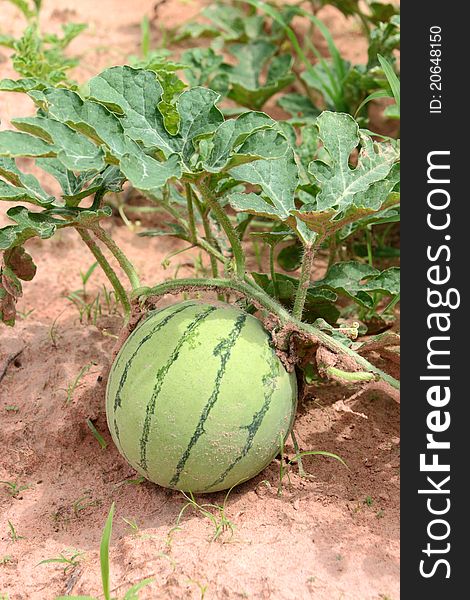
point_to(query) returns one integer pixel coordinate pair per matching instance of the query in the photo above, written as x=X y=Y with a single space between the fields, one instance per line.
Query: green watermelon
x=197 y=399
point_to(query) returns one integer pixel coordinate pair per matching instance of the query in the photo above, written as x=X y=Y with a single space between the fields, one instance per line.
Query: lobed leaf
x=278 y=180
x=21 y=186
x=358 y=281
x=15 y=144
x=75 y=151
x=133 y=95
x=340 y=185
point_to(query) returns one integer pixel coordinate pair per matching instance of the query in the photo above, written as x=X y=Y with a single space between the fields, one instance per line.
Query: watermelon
x=197 y=399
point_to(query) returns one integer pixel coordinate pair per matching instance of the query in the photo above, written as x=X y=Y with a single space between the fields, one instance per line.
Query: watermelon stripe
x=161 y=373
x=117 y=441
x=158 y=326
x=223 y=350
x=270 y=385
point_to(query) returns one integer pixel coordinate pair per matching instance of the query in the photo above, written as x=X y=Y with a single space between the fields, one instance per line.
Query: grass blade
x=145 y=38
x=86 y=276
x=318 y=453
x=99 y=438
x=276 y=16
x=132 y=593
x=336 y=75
x=392 y=78
x=332 y=48
x=374 y=96
x=104 y=553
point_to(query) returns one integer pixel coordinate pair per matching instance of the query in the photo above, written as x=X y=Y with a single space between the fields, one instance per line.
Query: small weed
x=70 y=562
x=380 y=514
x=286 y=464
x=132 y=524
x=14 y=489
x=13 y=533
x=70 y=389
x=136 y=481
x=169 y=559
x=132 y=593
x=12 y=408
x=54 y=331
x=24 y=315
x=97 y=435
x=91 y=308
x=214 y=512
x=84 y=502
x=369 y=501
x=6 y=560
x=202 y=588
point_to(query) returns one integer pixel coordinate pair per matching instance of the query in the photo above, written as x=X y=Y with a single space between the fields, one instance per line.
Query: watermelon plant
x=270 y=57
x=39 y=57
x=201 y=395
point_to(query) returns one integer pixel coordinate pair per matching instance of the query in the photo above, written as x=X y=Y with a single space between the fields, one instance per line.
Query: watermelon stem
x=191 y=220
x=262 y=300
x=209 y=241
x=118 y=254
x=304 y=281
x=273 y=271
x=108 y=270
x=227 y=226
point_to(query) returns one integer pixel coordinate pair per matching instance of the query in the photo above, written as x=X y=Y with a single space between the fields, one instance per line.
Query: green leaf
x=378 y=193
x=133 y=95
x=278 y=180
x=318 y=303
x=198 y=116
x=89 y=118
x=358 y=281
x=28 y=225
x=24 y=7
x=14 y=144
x=75 y=151
x=231 y=134
x=66 y=178
x=7 y=40
x=340 y=185
x=246 y=86
x=21 y=186
x=201 y=65
x=147 y=174
x=272 y=238
x=23 y=85
x=374 y=96
x=172 y=88
x=44 y=224
x=253 y=204
x=298 y=106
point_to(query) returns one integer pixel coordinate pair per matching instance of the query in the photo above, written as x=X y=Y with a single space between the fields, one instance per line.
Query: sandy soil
x=332 y=536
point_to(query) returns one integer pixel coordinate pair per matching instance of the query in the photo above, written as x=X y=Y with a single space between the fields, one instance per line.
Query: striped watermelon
x=197 y=399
